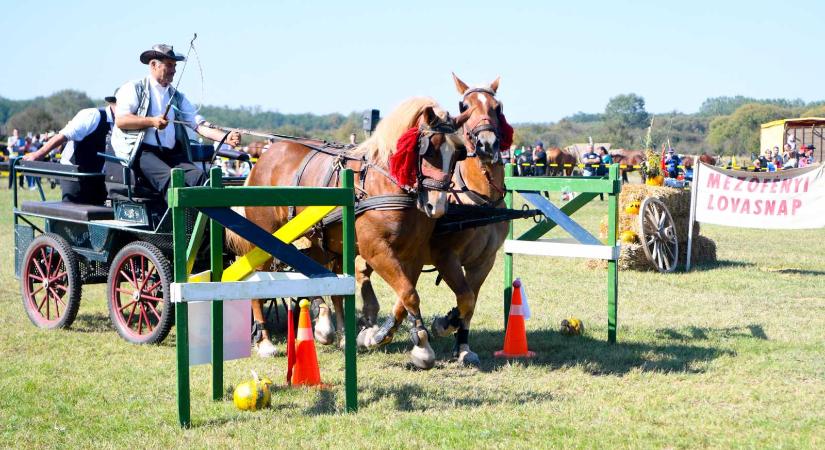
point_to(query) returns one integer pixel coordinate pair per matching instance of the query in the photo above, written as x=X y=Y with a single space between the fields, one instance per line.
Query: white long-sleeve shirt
x=128 y=102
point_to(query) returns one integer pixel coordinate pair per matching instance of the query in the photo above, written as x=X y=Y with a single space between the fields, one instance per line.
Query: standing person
x=672 y=162
x=84 y=137
x=505 y=154
x=591 y=162
x=606 y=161
x=525 y=162
x=142 y=118
x=539 y=160
x=11 y=148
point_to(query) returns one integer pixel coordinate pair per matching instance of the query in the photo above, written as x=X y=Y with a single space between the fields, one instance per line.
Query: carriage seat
x=67 y=210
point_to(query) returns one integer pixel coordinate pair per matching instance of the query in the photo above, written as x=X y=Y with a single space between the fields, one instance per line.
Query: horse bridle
x=483 y=124
x=425 y=133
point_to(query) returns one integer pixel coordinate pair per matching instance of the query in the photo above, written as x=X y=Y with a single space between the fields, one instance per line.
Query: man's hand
x=159 y=122
x=234 y=139
x=31 y=157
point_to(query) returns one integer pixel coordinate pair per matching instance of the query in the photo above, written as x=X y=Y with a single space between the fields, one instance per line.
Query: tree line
x=722 y=125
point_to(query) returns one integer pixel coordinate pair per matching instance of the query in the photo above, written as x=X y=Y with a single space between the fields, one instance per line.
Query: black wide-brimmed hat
x=112 y=98
x=160 y=51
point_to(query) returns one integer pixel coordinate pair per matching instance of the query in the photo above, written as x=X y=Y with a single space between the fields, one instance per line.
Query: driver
x=143 y=122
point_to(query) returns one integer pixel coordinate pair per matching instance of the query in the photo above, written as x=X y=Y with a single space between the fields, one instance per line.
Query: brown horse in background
x=631 y=159
x=557 y=160
x=389 y=240
x=465 y=258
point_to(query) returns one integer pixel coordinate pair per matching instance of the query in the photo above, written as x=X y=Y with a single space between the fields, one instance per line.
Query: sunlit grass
x=725 y=356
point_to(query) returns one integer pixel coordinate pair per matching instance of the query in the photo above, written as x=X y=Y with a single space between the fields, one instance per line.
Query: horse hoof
x=469 y=358
x=366 y=338
x=266 y=349
x=422 y=355
x=324 y=330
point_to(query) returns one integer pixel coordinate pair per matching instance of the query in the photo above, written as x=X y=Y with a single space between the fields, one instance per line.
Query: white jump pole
x=694 y=189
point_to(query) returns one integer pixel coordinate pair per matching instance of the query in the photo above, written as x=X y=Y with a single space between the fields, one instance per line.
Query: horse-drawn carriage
x=126 y=244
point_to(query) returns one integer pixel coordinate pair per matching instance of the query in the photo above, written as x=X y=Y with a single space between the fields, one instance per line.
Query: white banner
x=788 y=199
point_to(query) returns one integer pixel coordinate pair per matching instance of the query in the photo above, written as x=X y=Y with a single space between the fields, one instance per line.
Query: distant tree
x=739 y=132
x=623 y=114
x=63 y=105
x=816 y=111
x=33 y=119
x=723 y=106
x=583 y=117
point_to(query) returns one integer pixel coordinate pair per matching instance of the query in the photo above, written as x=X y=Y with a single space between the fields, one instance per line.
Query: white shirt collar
x=156 y=86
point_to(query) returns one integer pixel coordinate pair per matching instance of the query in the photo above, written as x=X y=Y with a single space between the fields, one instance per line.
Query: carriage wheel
x=138 y=292
x=50 y=282
x=658 y=235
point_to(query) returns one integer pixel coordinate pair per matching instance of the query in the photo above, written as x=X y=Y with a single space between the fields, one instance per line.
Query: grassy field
x=729 y=355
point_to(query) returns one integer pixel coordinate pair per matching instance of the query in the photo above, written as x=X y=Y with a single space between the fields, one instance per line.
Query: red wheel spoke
x=123 y=274
x=140 y=319
x=57 y=307
x=153 y=287
x=154 y=311
x=60 y=275
x=48 y=307
x=37 y=266
x=146 y=278
x=45 y=299
x=31 y=275
x=35 y=292
x=56 y=297
x=124 y=291
x=131 y=314
x=152 y=298
x=146 y=316
x=126 y=306
x=49 y=264
x=45 y=260
x=134 y=274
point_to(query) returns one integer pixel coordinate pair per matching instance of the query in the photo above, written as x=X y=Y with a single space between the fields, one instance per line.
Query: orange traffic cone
x=515 y=338
x=306 y=371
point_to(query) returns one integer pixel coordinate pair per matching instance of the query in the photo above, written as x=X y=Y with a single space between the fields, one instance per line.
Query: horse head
x=486 y=131
x=426 y=157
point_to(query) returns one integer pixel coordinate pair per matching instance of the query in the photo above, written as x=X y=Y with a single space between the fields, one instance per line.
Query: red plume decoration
x=403 y=161
x=506 y=133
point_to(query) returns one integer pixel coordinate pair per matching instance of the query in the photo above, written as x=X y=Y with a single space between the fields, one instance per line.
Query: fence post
x=216 y=263
x=351 y=371
x=181 y=308
x=612 y=264
x=508 y=257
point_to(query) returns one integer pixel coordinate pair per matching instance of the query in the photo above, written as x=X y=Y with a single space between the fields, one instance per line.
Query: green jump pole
x=216 y=262
x=508 y=257
x=612 y=265
x=181 y=309
x=351 y=371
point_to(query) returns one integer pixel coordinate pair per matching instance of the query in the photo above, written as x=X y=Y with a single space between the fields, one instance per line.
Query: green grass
x=725 y=356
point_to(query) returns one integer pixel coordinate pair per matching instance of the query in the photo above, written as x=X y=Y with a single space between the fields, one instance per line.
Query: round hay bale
x=677 y=201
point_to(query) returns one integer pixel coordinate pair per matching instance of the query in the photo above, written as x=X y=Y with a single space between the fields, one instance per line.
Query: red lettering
x=770 y=206
x=734 y=203
x=741 y=180
x=764 y=184
x=757 y=207
x=774 y=185
x=796 y=204
x=713 y=180
x=807 y=180
x=753 y=184
x=727 y=183
x=710 y=202
x=746 y=207
x=783 y=208
x=798 y=182
x=722 y=205
x=786 y=185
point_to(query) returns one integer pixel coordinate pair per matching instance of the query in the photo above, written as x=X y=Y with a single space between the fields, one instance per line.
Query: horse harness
x=482 y=125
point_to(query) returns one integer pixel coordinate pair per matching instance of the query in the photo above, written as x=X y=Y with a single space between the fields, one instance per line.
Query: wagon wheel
x=138 y=294
x=50 y=282
x=658 y=235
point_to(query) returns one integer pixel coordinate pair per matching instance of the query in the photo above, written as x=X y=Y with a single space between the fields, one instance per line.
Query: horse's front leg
x=369 y=301
x=458 y=319
x=402 y=281
x=260 y=336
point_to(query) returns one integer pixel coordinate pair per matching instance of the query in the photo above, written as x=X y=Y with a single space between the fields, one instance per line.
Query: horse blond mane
x=378 y=148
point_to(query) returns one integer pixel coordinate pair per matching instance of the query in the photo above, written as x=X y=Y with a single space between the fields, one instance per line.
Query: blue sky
x=554 y=58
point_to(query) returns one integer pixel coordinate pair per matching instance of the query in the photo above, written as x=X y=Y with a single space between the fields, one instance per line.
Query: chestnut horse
x=465 y=258
x=389 y=240
x=556 y=160
x=628 y=158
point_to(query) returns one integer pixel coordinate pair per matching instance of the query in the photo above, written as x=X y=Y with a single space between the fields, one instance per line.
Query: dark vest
x=86 y=150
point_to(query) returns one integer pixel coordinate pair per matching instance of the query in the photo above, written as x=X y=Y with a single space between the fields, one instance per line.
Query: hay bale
x=677 y=201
